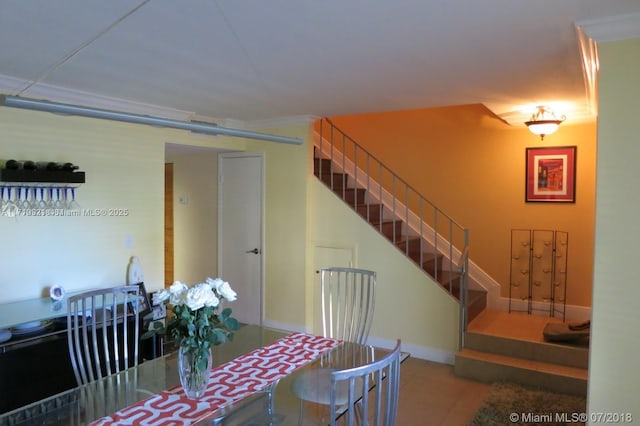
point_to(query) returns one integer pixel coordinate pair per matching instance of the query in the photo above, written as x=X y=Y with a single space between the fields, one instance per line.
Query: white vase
x=193 y=380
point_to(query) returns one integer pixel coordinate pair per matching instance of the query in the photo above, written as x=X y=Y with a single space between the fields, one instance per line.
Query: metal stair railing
x=421 y=220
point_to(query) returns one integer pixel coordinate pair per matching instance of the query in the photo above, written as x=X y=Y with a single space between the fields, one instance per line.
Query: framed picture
x=551 y=174
x=143 y=306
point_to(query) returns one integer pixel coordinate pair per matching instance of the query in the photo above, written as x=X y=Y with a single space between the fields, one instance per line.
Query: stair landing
x=502 y=346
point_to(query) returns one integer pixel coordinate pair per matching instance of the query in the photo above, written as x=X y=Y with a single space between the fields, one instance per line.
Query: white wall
x=409 y=305
x=121 y=165
x=286 y=224
x=124 y=165
x=614 y=366
x=195 y=210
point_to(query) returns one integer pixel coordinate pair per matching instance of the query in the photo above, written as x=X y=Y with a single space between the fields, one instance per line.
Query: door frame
x=261 y=156
x=169 y=262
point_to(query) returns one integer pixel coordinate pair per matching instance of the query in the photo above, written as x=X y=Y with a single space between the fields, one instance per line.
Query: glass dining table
x=276 y=404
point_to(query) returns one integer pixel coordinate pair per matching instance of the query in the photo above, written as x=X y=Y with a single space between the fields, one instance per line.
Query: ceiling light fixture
x=198 y=127
x=544 y=122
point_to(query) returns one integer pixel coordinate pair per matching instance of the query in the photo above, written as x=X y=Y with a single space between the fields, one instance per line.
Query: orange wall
x=472 y=165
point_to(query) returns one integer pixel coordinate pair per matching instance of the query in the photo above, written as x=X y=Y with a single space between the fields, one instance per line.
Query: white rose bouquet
x=196 y=324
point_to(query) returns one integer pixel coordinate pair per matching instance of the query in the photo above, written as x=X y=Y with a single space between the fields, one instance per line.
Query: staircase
x=484 y=355
x=431 y=250
x=509 y=347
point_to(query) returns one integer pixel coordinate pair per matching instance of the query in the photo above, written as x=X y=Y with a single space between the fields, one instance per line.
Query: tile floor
x=431 y=394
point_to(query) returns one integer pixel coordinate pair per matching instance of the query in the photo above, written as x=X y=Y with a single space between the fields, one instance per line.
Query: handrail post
x=355 y=174
x=464 y=290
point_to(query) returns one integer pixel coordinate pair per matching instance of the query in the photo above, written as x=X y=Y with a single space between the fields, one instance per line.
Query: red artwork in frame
x=551 y=174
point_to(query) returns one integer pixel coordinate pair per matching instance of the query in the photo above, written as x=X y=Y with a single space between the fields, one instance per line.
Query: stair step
x=571 y=356
x=476 y=304
x=322 y=165
x=410 y=246
x=429 y=262
x=352 y=196
x=449 y=278
x=390 y=229
x=371 y=212
x=488 y=367
x=335 y=181
x=476 y=300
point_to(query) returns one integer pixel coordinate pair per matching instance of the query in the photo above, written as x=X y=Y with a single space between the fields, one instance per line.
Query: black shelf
x=42 y=176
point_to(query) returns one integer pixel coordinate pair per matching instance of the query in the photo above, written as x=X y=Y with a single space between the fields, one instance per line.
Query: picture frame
x=551 y=174
x=143 y=306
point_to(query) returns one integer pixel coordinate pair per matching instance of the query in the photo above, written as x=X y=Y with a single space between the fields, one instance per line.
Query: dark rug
x=512 y=404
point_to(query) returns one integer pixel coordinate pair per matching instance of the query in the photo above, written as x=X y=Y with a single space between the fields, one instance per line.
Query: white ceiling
x=261 y=60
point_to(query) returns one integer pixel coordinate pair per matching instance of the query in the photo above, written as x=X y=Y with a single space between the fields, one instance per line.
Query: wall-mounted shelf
x=40 y=176
x=29 y=189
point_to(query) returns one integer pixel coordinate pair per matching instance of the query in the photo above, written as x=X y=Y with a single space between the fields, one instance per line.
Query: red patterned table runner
x=230 y=382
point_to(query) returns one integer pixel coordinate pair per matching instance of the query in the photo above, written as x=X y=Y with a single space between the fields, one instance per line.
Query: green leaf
x=202 y=364
x=232 y=324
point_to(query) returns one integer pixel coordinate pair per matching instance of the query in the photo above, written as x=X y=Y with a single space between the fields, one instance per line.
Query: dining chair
x=103 y=329
x=370 y=390
x=347 y=301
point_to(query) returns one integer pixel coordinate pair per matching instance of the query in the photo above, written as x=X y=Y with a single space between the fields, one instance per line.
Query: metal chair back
x=372 y=392
x=103 y=329
x=347 y=303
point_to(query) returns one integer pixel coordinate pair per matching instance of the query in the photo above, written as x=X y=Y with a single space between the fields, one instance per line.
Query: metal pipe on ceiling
x=199 y=127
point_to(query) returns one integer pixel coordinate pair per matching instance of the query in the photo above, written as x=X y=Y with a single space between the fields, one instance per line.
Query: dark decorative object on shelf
x=50 y=172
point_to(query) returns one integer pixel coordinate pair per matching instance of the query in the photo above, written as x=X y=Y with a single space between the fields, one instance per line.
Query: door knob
x=254 y=251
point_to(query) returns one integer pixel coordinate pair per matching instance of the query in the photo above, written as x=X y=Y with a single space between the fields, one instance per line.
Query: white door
x=240 y=231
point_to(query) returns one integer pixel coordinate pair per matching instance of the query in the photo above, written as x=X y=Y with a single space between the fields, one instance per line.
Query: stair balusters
x=416 y=226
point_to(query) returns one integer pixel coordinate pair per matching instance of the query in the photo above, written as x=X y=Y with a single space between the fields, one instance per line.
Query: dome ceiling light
x=544 y=122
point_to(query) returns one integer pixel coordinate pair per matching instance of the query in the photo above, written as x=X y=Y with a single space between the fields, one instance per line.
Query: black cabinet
x=34 y=369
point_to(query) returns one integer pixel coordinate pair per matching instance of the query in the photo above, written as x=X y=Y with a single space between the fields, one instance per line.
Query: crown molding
x=11 y=85
x=613 y=28
x=591 y=32
x=590 y=66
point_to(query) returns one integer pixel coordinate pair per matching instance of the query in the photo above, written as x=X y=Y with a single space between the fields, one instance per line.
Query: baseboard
x=572 y=312
x=415 y=351
x=285 y=326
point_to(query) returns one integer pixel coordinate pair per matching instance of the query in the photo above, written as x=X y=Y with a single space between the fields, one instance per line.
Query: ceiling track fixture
x=198 y=127
x=544 y=122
